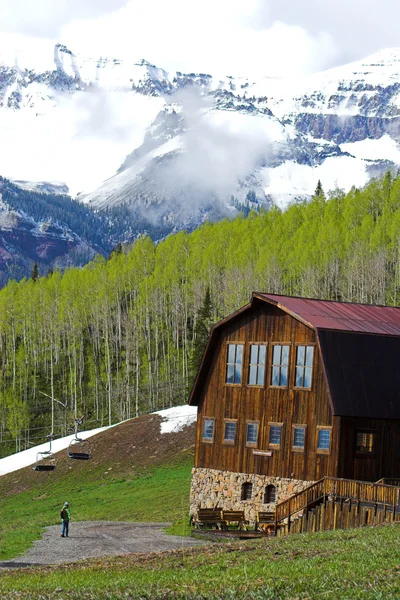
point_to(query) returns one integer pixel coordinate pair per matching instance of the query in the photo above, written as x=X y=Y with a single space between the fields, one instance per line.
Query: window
x=208 y=430
x=229 y=432
x=324 y=439
x=270 y=494
x=280 y=366
x=251 y=434
x=234 y=363
x=247 y=491
x=304 y=366
x=258 y=353
x=275 y=435
x=365 y=442
x=299 y=437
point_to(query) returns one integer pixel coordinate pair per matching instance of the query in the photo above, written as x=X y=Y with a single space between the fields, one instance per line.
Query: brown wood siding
x=290 y=406
x=383 y=462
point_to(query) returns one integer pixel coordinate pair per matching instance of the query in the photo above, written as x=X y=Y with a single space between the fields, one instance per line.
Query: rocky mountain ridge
x=169 y=150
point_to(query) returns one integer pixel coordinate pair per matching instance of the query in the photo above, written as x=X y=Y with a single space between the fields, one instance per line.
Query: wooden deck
x=333 y=503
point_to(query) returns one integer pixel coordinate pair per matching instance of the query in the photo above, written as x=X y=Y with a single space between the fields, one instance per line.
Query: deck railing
x=333 y=488
x=390 y=481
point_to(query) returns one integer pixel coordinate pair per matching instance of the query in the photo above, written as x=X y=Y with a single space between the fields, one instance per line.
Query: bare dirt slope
x=129 y=449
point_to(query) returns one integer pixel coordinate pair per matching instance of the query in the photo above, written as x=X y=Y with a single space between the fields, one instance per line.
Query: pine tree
x=319 y=190
x=35 y=272
x=201 y=333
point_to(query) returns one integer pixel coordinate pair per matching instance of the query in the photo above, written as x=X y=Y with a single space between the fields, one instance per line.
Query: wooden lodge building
x=291 y=390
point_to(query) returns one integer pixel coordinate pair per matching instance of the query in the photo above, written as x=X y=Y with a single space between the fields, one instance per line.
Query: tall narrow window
x=258 y=354
x=275 y=435
x=247 y=491
x=230 y=432
x=270 y=494
x=280 y=366
x=365 y=442
x=234 y=363
x=304 y=366
x=324 y=440
x=299 y=437
x=208 y=430
x=251 y=434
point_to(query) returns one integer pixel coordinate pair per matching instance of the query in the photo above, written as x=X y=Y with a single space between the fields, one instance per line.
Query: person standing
x=65 y=518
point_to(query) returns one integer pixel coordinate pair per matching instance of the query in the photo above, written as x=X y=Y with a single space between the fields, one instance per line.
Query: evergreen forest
x=124 y=335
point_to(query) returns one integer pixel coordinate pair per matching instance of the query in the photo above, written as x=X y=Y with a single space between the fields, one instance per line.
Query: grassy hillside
x=353 y=565
x=136 y=474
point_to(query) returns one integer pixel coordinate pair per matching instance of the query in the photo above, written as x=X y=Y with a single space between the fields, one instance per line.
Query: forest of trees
x=123 y=336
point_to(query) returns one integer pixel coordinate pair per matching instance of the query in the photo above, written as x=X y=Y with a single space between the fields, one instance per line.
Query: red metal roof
x=340 y=316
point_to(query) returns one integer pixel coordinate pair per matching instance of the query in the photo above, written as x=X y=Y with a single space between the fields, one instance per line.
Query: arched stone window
x=247 y=490
x=270 y=494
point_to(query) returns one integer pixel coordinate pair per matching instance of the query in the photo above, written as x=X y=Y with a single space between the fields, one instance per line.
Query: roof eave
x=282 y=307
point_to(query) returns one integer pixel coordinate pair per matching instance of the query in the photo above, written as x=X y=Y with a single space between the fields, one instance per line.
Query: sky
x=226 y=37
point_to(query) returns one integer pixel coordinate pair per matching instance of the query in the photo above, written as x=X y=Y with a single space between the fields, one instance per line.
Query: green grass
x=353 y=565
x=159 y=494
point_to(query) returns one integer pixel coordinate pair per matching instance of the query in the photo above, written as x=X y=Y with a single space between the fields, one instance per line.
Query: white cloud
x=217 y=37
x=277 y=37
x=43 y=18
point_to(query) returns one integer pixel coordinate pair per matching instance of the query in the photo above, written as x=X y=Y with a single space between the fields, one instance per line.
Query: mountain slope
x=295 y=132
x=175 y=148
x=47 y=228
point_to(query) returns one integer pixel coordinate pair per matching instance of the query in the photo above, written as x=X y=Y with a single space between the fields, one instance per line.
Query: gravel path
x=90 y=539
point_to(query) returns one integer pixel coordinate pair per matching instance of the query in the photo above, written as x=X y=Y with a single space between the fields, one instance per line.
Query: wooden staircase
x=333 y=503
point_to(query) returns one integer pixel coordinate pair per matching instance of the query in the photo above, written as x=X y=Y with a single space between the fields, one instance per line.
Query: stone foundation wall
x=211 y=488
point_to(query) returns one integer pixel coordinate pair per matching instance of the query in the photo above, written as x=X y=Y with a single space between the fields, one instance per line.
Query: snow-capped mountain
x=178 y=148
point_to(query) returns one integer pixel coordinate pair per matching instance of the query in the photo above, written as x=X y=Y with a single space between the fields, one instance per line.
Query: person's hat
x=66 y=504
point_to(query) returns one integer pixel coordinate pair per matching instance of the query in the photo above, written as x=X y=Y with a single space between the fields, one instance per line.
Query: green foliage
x=123 y=336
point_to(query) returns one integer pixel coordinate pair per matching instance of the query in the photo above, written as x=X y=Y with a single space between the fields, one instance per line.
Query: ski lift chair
x=79 y=449
x=45 y=461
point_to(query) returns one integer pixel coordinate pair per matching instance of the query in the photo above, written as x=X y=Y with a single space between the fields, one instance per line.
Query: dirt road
x=90 y=539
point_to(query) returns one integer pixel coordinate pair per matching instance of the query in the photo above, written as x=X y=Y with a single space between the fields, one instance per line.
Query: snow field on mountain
x=383 y=148
x=218 y=147
x=111 y=192
x=290 y=181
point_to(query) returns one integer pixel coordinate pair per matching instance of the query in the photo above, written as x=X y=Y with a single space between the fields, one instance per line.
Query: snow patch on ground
x=28 y=457
x=176 y=418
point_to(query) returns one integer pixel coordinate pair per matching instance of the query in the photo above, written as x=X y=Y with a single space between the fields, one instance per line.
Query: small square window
x=230 y=432
x=208 y=430
x=252 y=434
x=324 y=439
x=275 y=435
x=299 y=438
x=365 y=442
